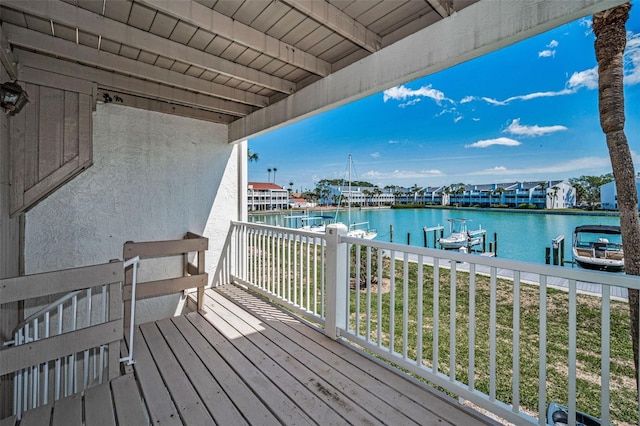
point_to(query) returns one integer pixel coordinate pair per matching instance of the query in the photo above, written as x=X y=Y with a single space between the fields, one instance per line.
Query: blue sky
x=527 y=112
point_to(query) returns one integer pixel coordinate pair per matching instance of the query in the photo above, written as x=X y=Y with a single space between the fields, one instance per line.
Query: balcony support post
x=337 y=280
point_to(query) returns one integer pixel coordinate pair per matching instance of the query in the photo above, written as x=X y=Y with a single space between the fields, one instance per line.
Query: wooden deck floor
x=243 y=361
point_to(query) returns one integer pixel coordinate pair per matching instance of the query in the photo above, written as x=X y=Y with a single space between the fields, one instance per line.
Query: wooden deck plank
x=277 y=400
x=191 y=408
x=221 y=408
x=365 y=389
x=8 y=421
x=40 y=416
x=159 y=403
x=414 y=397
x=243 y=397
x=67 y=411
x=127 y=401
x=98 y=406
x=312 y=394
x=346 y=396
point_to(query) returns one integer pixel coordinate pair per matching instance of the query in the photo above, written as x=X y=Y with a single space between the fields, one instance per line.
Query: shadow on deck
x=244 y=361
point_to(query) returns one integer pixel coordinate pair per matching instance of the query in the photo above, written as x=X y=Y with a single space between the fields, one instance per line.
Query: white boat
x=592 y=248
x=366 y=233
x=361 y=229
x=317 y=223
x=459 y=236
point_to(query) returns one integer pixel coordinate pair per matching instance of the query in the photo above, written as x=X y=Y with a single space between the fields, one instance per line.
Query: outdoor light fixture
x=12 y=97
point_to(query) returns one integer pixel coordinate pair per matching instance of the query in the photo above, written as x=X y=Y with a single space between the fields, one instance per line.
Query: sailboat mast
x=349 y=203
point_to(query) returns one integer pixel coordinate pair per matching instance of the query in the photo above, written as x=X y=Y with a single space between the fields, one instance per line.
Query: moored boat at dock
x=592 y=248
x=460 y=236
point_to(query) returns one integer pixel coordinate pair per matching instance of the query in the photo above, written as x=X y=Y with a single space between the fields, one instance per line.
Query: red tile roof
x=257 y=186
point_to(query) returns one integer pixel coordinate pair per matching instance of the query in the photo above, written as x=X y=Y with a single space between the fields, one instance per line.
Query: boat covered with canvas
x=598 y=247
x=310 y=223
x=558 y=415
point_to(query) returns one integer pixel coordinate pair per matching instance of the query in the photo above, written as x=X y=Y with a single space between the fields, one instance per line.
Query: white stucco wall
x=155 y=177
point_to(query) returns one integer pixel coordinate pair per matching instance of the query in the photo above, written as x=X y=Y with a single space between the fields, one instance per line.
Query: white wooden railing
x=284 y=265
x=68 y=344
x=316 y=275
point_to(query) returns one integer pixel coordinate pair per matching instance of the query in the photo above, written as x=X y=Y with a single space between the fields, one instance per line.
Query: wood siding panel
x=51 y=140
x=19 y=167
x=85 y=130
x=31 y=132
x=71 y=123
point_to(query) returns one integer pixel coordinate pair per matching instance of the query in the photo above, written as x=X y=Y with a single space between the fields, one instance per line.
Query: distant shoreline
x=478 y=209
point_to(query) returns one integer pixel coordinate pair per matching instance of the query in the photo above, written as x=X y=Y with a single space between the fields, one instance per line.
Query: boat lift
x=470 y=248
x=557 y=250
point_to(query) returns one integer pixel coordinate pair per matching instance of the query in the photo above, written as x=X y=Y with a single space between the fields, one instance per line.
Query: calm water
x=521 y=236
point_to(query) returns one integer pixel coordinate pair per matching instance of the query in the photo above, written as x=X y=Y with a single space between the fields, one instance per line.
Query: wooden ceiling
x=259 y=64
x=224 y=58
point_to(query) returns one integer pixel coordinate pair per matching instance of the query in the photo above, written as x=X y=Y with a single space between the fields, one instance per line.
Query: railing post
x=337 y=281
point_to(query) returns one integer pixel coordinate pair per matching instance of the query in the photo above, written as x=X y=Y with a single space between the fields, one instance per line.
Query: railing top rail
x=596 y=277
x=67 y=280
x=151 y=249
x=280 y=229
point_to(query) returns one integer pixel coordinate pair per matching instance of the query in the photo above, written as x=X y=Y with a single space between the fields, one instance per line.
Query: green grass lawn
x=623 y=407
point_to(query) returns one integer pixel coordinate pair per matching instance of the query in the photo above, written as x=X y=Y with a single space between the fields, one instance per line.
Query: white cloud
x=587 y=23
x=458 y=118
x=409 y=103
x=547 y=54
x=493 y=101
x=400 y=93
x=565 y=166
x=490 y=142
x=393 y=142
x=552 y=44
x=467 y=99
x=475 y=119
x=515 y=128
x=587 y=78
x=402 y=174
x=375 y=154
x=632 y=59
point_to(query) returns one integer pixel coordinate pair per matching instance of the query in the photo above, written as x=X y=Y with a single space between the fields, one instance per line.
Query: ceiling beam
x=23 y=37
x=336 y=20
x=164 y=107
x=76 y=17
x=217 y=23
x=33 y=62
x=442 y=7
x=494 y=23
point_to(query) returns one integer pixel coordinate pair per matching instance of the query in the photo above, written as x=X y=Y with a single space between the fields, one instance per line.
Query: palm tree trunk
x=609 y=28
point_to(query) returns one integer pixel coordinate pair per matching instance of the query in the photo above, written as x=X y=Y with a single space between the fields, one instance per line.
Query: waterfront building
x=300 y=203
x=609 y=195
x=556 y=194
x=266 y=196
